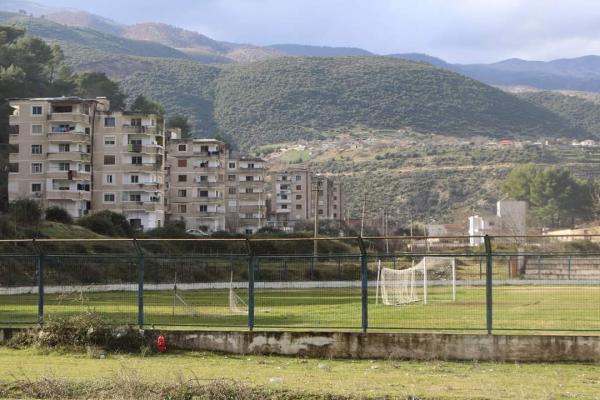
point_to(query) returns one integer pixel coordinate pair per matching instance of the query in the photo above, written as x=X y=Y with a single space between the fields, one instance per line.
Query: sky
x=463 y=31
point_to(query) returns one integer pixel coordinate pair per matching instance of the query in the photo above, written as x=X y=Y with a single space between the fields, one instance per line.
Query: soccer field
x=560 y=308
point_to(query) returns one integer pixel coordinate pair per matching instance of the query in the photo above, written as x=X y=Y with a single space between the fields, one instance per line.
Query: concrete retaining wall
x=411 y=346
x=414 y=346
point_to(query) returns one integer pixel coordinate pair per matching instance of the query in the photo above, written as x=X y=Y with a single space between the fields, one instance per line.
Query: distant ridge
x=299 y=50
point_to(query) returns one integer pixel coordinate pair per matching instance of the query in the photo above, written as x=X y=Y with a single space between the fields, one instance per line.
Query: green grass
x=560 y=308
x=295 y=156
x=360 y=378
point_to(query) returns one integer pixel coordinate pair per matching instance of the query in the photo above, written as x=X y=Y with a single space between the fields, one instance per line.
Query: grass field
x=560 y=308
x=331 y=378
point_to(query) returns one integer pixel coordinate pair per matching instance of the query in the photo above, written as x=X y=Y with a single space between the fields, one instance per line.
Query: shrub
x=86 y=330
x=107 y=223
x=25 y=211
x=58 y=214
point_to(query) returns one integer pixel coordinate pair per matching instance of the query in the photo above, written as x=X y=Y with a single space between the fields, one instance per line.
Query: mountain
x=420 y=57
x=88 y=38
x=578 y=110
x=298 y=50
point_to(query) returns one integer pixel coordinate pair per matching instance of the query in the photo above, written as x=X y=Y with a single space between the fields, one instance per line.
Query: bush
x=58 y=214
x=107 y=223
x=25 y=212
x=86 y=330
x=171 y=230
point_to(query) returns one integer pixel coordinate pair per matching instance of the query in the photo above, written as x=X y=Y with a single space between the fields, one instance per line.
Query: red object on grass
x=161 y=344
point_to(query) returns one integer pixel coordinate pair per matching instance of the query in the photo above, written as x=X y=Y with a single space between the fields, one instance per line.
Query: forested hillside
x=580 y=112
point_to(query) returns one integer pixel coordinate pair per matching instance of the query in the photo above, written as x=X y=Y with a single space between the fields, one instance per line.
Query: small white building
x=510 y=219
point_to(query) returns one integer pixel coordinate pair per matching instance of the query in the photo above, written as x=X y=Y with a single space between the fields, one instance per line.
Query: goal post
x=417 y=283
x=236 y=304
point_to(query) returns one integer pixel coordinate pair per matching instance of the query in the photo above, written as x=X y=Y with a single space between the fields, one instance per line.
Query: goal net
x=433 y=278
x=236 y=304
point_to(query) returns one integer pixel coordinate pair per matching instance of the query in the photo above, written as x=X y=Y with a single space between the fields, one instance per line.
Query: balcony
x=146 y=206
x=70 y=136
x=145 y=167
x=144 y=186
x=208 y=184
x=68 y=175
x=147 y=149
x=13 y=129
x=68 y=195
x=69 y=117
x=207 y=153
x=143 y=130
x=283 y=211
x=76 y=156
x=14 y=119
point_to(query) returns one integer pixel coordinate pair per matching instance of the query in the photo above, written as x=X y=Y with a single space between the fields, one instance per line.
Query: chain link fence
x=490 y=284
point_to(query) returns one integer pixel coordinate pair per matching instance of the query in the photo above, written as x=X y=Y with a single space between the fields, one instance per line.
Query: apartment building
x=294 y=193
x=79 y=155
x=196 y=183
x=210 y=189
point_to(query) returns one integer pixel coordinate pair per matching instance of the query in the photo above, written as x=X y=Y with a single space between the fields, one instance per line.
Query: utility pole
x=385 y=230
x=316 y=185
x=362 y=220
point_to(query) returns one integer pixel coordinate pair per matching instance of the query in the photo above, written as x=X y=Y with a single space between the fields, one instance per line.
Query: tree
x=181 y=122
x=145 y=106
x=25 y=212
x=107 y=223
x=96 y=84
x=552 y=193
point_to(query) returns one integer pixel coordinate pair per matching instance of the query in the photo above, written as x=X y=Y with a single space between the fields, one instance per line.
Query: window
x=36 y=149
x=298 y=187
x=203 y=193
x=249 y=178
x=284 y=206
x=298 y=178
x=109 y=122
x=232 y=190
x=298 y=197
x=182 y=147
x=36 y=187
x=335 y=197
x=135 y=197
x=87 y=167
x=36 y=110
x=182 y=208
x=298 y=206
x=83 y=186
x=231 y=165
x=109 y=197
x=203 y=208
x=136 y=122
x=13 y=129
x=250 y=190
x=284 y=187
x=250 y=166
x=37 y=129
x=36 y=168
x=335 y=206
x=182 y=163
x=182 y=193
x=203 y=178
x=204 y=149
x=109 y=140
x=134 y=179
x=321 y=212
x=64 y=148
x=108 y=179
x=231 y=178
x=64 y=166
x=109 y=160
x=284 y=197
x=136 y=160
x=248 y=231
x=181 y=178
x=284 y=178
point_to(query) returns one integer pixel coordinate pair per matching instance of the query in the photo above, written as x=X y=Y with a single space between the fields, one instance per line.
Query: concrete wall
x=411 y=346
x=414 y=346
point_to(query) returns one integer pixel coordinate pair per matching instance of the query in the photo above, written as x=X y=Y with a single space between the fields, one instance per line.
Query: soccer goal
x=236 y=304
x=180 y=302
x=412 y=285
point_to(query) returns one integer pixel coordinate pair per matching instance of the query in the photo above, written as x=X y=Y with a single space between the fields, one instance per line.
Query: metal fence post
x=252 y=264
x=40 y=282
x=364 y=292
x=140 y=276
x=141 y=291
x=488 y=284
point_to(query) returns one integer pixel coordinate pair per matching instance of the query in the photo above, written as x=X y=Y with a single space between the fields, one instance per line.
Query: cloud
x=457 y=30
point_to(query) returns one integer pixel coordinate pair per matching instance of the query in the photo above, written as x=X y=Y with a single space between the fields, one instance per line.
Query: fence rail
x=528 y=283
